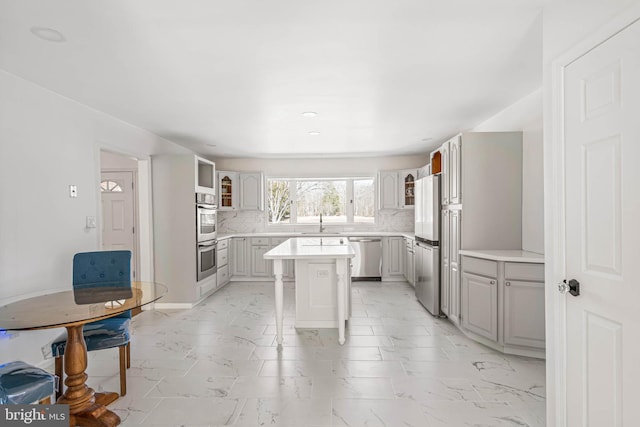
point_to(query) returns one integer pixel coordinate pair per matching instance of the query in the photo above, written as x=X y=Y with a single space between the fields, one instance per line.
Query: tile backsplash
x=256 y=222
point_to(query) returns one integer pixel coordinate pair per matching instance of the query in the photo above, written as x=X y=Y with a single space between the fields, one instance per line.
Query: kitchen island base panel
x=321 y=285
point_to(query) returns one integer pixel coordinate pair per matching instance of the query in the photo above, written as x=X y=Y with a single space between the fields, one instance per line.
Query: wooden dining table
x=72 y=310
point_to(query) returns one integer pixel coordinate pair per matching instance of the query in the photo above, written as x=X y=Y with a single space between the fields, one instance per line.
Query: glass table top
x=90 y=303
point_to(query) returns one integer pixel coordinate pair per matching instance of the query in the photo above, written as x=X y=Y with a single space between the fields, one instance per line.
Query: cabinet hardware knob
x=493 y=282
x=507 y=283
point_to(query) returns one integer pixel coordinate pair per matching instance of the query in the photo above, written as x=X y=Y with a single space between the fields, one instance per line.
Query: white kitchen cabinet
x=455 y=163
x=388 y=189
x=406 y=191
x=175 y=180
x=396 y=189
x=409 y=262
x=455 y=221
x=240 y=191
x=445 y=283
x=222 y=260
x=444 y=177
x=251 y=191
x=503 y=304
x=482 y=175
x=240 y=257
x=451 y=164
x=259 y=266
x=524 y=305
x=205 y=176
x=228 y=190
x=392 y=258
x=480 y=305
x=450 y=273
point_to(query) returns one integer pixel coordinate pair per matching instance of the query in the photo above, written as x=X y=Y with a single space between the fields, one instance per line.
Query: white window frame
x=349 y=208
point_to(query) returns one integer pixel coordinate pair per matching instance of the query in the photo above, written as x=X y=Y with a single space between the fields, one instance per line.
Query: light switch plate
x=73 y=191
x=91 y=222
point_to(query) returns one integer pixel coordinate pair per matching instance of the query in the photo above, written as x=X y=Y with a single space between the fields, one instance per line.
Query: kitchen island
x=322 y=286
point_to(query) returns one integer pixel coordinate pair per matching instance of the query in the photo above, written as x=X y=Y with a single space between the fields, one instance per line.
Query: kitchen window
x=339 y=200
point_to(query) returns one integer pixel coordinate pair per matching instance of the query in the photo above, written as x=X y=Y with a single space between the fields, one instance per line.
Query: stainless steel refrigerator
x=427 y=250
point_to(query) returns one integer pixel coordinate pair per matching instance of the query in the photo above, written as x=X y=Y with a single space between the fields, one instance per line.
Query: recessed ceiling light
x=211 y=145
x=309 y=114
x=48 y=34
x=426 y=139
x=314 y=133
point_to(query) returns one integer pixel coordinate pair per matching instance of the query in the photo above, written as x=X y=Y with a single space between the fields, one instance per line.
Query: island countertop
x=312 y=248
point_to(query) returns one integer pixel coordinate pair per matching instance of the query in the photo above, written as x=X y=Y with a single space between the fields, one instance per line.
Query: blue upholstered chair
x=107 y=268
x=21 y=383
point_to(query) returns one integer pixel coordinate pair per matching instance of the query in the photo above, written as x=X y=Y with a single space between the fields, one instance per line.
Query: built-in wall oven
x=207 y=264
x=206 y=230
x=206 y=217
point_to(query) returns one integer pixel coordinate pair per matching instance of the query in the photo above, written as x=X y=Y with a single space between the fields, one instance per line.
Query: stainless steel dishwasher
x=367 y=264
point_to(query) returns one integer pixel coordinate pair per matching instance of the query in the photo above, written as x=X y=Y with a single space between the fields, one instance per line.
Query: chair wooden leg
x=60 y=374
x=128 y=355
x=123 y=370
x=45 y=401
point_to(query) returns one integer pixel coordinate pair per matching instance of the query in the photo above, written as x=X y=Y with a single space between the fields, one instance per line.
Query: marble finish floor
x=217 y=364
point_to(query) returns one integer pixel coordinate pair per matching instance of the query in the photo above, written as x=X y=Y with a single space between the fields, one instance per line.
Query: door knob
x=572 y=287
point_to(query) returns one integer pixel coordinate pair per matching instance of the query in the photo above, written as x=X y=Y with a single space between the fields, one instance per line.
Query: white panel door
x=602 y=223
x=118 y=215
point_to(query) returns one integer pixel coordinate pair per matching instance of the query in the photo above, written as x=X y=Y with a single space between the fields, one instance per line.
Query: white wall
x=109 y=160
x=48 y=142
x=526 y=116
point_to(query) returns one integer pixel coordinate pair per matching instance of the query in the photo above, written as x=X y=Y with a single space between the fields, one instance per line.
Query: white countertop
x=291 y=234
x=312 y=248
x=513 y=255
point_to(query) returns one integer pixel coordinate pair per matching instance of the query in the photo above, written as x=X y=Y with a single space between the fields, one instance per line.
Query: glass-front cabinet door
x=227 y=190
x=406 y=180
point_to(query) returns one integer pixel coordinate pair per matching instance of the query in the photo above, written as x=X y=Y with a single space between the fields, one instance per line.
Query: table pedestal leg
x=341 y=269
x=86 y=408
x=277 y=271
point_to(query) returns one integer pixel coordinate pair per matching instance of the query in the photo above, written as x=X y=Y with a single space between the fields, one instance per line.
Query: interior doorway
x=119 y=207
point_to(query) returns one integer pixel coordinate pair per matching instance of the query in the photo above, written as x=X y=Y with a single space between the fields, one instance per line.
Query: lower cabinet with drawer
x=222 y=256
x=247 y=262
x=502 y=305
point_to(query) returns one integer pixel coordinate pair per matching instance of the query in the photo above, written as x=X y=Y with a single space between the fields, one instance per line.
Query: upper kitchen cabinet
x=251 y=191
x=240 y=191
x=406 y=180
x=446 y=162
x=228 y=189
x=388 y=189
x=455 y=193
x=205 y=173
x=396 y=189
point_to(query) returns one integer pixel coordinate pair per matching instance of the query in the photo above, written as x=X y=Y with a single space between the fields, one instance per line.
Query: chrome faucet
x=321 y=227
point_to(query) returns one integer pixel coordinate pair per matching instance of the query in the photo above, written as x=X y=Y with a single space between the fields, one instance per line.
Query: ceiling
x=231 y=78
